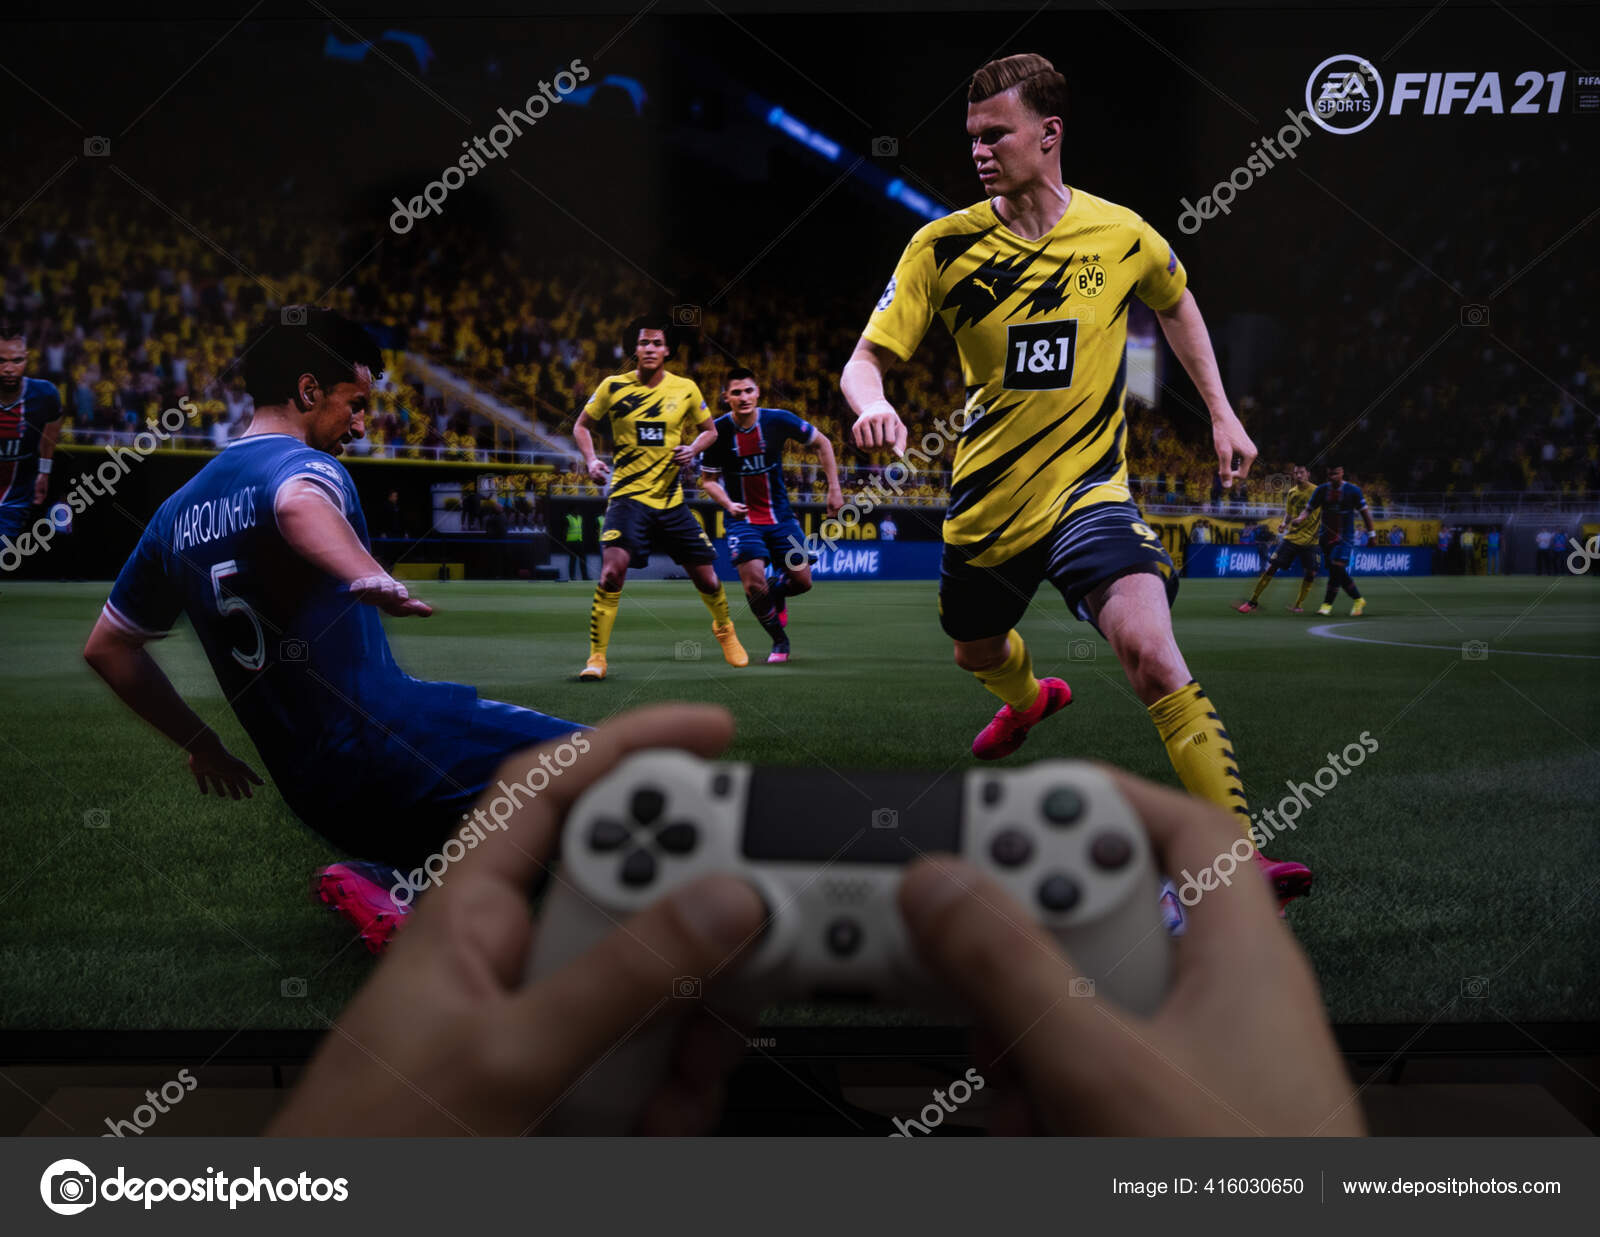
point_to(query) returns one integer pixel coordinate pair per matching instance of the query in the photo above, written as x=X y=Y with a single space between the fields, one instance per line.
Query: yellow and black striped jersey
x=1040 y=327
x=1293 y=505
x=647 y=423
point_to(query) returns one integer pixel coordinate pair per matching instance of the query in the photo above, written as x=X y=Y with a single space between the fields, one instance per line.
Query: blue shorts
x=405 y=834
x=13 y=519
x=772 y=543
x=1337 y=551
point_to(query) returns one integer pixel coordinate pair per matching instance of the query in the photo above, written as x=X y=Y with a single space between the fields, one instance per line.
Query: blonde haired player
x=1298 y=544
x=1034 y=284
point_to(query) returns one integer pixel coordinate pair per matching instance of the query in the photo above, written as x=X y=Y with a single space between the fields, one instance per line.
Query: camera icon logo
x=1081 y=985
x=292 y=649
x=292 y=315
x=1081 y=650
x=686 y=650
x=885 y=147
x=294 y=987
x=1475 y=987
x=97 y=818
x=686 y=988
x=686 y=315
x=96 y=147
x=68 y=1187
x=885 y=818
x=1474 y=315
x=1474 y=650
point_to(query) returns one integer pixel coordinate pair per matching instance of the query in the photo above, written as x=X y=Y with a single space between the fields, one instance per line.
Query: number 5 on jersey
x=1040 y=356
x=238 y=605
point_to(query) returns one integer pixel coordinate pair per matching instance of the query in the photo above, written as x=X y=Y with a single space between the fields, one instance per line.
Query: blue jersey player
x=744 y=474
x=1340 y=502
x=266 y=552
x=30 y=419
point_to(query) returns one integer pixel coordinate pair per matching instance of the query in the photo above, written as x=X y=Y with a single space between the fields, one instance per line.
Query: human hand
x=599 y=471
x=446 y=1037
x=389 y=595
x=1241 y=1045
x=217 y=769
x=1230 y=440
x=880 y=426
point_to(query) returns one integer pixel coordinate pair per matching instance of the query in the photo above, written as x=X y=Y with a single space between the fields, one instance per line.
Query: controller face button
x=844 y=937
x=1058 y=893
x=1111 y=851
x=721 y=784
x=1011 y=848
x=679 y=838
x=607 y=835
x=647 y=804
x=1063 y=806
x=991 y=793
x=639 y=868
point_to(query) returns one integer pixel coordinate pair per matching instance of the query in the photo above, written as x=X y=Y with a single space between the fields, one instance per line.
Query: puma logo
x=986 y=286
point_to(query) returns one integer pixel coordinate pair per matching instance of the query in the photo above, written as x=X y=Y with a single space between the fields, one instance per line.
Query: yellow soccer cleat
x=732 y=651
x=1359 y=608
x=1327 y=609
x=594 y=670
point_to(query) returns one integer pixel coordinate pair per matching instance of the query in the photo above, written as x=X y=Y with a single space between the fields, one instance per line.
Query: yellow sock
x=1013 y=679
x=717 y=603
x=1305 y=587
x=1261 y=586
x=1200 y=749
x=601 y=615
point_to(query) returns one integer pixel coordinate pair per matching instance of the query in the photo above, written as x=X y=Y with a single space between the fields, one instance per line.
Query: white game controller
x=826 y=853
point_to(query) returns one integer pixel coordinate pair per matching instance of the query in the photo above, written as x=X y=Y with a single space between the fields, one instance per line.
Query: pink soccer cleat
x=1289 y=880
x=1008 y=730
x=360 y=893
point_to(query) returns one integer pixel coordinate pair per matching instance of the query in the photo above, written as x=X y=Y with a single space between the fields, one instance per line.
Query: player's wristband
x=45 y=466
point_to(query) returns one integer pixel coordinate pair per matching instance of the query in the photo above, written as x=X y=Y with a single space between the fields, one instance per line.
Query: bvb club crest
x=1090 y=279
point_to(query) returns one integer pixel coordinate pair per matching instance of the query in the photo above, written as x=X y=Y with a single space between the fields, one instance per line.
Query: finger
x=612 y=991
x=690 y=1101
x=975 y=938
x=527 y=837
x=899 y=430
x=1190 y=836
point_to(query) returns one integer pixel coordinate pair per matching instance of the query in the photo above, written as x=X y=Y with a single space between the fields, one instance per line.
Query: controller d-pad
x=639 y=868
x=647 y=804
x=1110 y=851
x=607 y=835
x=1063 y=806
x=1059 y=893
x=1011 y=848
x=678 y=838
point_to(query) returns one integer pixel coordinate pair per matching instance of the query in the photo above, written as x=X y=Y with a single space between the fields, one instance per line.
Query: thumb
x=583 y=1011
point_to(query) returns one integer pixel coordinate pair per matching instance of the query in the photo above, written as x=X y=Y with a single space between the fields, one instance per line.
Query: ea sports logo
x=67 y=1187
x=1344 y=94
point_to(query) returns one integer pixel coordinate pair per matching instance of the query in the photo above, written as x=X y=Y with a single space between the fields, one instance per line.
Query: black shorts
x=1082 y=552
x=638 y=529
x=1289 y=554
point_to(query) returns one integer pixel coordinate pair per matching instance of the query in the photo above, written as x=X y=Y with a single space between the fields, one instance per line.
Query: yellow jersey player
x=1298 y=544
x=1034 y=284
x=650 y=411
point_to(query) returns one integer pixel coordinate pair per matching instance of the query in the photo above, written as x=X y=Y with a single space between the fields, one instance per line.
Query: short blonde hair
x=1044 y=91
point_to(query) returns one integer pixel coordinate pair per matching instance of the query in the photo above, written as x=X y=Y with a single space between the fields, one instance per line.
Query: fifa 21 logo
x=1346 y=93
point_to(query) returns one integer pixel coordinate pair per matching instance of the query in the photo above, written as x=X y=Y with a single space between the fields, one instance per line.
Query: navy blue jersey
x=22 y=421
x=751 y=461
x=306 y=668
x=1338 y=510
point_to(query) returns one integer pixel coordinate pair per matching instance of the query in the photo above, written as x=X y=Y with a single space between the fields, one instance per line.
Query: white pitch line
x=1327 y=632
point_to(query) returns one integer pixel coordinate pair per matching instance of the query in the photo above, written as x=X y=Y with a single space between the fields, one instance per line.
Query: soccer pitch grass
x=1456 y=867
